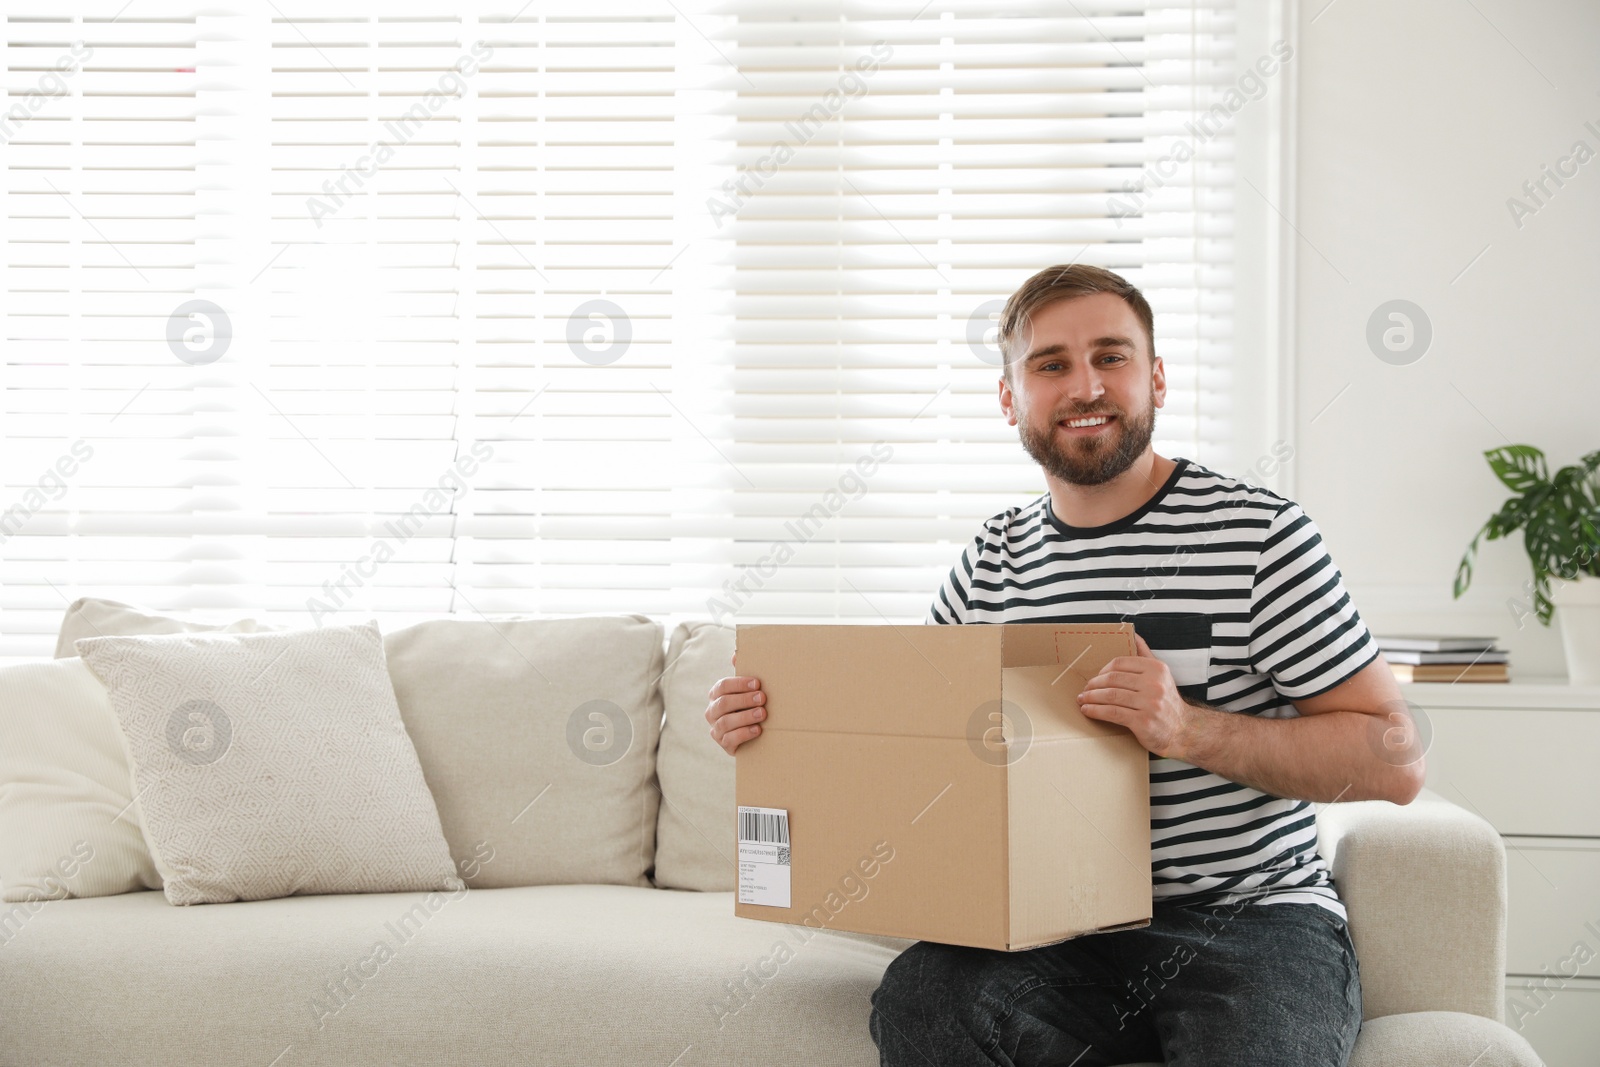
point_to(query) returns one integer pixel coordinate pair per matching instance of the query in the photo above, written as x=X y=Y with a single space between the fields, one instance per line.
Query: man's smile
x=1086 y=425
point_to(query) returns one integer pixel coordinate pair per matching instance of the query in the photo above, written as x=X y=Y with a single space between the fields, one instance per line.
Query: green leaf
x=1543 y=606
x=1589 y=483
x=1588 y=528
x=1552 y=542
x=1464 y=568
x=1512 y=514
x=1520 y=467
x=1571 y=495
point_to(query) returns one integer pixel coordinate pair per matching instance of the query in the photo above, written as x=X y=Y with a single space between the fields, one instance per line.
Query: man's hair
x=1064 y=283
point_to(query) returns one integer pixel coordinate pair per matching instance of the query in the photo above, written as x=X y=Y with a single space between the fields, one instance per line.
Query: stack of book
x=1435 y=658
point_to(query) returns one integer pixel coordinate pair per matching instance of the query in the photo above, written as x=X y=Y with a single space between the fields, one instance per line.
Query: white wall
x=1417 y=120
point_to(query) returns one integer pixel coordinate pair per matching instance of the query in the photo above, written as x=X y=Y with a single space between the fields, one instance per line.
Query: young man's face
x=1083 y=356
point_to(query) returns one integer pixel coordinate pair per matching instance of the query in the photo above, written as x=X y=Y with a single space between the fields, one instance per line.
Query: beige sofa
x=638 y=973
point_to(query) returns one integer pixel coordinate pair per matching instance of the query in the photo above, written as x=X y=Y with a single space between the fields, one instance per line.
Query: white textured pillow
x=696 y=837
x=272 y=764
x=97 y=617
x=67 y=824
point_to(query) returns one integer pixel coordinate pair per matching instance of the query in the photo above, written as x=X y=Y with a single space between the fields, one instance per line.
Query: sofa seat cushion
x=546 y=974
x=1440 y=1039
x=590 y=974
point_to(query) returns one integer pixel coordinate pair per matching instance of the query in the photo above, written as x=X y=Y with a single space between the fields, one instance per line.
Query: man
x=1257 y=690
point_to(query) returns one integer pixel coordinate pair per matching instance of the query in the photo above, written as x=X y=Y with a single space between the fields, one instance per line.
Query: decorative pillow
x=538 y=739
x=67 y=824
x=697 y=834
x=272 y=764
x=94 y=617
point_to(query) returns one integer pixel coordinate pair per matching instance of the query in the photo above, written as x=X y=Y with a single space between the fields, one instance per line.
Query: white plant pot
x=1578 y=614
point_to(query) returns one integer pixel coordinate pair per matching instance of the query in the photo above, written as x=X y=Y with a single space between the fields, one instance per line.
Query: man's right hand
x=736 y=710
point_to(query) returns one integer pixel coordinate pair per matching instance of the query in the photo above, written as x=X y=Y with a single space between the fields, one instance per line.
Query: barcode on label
x=764 y=857
x=767 y=826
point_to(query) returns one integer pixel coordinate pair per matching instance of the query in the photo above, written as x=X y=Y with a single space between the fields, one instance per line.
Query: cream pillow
x=272 y=764
x=696 y=835
x=96 y=617
x=538 y=740
x=67 y=824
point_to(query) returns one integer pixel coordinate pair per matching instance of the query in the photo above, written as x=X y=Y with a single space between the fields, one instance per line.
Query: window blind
x=897 y=175
x=328 y=311
x=333 y=296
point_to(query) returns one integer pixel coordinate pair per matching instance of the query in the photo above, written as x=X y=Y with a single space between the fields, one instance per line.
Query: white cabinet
x=1554 y=925
x=1565 y=1029
x=1522 y=755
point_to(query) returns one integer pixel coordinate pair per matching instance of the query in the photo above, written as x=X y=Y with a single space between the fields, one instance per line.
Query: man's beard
x=1088 y=460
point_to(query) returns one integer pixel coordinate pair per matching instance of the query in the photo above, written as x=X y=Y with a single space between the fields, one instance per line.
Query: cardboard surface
x=939 y=783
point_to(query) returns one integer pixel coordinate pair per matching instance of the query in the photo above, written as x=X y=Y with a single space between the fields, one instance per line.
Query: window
x=326 y=311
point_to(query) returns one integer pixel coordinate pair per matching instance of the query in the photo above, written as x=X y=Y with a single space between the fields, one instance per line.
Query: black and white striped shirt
x=1231 y=587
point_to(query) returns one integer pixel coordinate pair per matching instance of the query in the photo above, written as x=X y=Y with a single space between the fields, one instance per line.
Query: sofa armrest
x=1425 y=887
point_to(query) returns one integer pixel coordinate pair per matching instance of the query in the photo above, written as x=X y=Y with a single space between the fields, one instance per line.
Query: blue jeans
x=1223 y=985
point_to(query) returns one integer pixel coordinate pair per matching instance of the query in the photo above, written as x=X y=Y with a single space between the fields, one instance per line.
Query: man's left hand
x=1138 y=692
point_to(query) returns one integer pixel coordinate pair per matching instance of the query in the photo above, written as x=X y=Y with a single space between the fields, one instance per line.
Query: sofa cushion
x=593 y=975
x=538 y=739
x=463 y=686
x=696 y=836
x=271 y=764
x=67 y=824
x=1440 y=1039
x=597 y=975
x=98 y=617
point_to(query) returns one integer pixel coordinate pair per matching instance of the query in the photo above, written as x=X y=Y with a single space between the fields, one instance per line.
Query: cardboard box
x=939 y=783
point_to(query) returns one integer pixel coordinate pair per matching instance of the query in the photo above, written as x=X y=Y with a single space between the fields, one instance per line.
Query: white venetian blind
x=108 y=470
x=325 y=310
x=899 y=173
x=419 y=263
x=490 y=308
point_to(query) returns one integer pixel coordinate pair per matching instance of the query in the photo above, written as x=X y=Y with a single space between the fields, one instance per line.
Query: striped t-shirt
x=1231 y=587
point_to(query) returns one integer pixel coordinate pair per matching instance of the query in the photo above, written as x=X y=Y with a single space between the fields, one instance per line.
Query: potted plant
x=1560 y=522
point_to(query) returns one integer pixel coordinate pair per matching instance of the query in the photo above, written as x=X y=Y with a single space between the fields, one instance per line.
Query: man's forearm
x=1335 y=755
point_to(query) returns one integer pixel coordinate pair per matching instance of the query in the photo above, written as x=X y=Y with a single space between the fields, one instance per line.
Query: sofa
x=599 y=927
